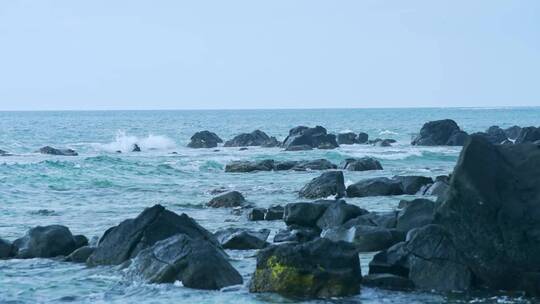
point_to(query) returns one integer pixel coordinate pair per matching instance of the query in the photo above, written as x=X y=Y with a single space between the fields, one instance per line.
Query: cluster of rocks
x=351 y=138
x=350 y=164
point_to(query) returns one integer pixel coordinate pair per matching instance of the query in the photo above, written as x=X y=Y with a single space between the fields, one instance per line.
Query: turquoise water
x=99 y=188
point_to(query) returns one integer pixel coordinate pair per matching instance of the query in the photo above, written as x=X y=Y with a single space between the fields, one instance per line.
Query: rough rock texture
x=439 y=187
x=348 y=138
x=255 y=138
x=317 y=164
x=375 y=187
x=528 y=134
x=413 y=184
x=440 y=133
x=316 y=269
x=45 y=242
x=494 y=135
x=242 y=239
x=154 y=224
x=54 y=151
x=393 y=260
x=271 y=214
x=80 y=255
x=327 y=184
x=312 y=137
x=415 y=214
x=361 y=164
x=250 y=166
x=365 y=238
x=512 y=132
x=305 y=214
x=193 y=261
x=227 y=200
x=204 y=139
x=336 y=214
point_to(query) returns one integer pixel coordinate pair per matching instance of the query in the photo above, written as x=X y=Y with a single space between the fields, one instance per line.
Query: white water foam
x=124 y=143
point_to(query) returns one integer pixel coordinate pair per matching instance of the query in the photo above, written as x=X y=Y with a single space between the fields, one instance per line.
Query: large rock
x=512 y=132
x=528 y=134
x=316 y=269
x=54 y=151
x=415 y=214
x=412 y=184
x=394 y=260
x=193 y=261
x=250 y=166
x=227 y=200
x=317 y=164
x=362 y=138
x=361 y=164
x=336 y=214
x=45 y=242
x=298 y=234
x=327 y=184
x=255 y=138
x=266 y=214
x=439 y=187
x=491 y=211
x=242 y=239
x=154 y=224
x=348 y=138
x=305 y=214
x=365 y=238
x=312 y=137
x=444 y=132
x=80 y=255
x=204 y=139
x=6 y=249
x=375 y=187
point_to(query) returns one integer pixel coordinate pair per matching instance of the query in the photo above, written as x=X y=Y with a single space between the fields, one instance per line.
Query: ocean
x=99 y=188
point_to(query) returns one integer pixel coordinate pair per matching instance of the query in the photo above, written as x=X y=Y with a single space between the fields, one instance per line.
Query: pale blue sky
x=127 y=54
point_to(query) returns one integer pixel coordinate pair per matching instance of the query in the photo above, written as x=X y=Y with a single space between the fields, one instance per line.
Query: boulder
x=365 y=238
x=317 y=164
x=256 y=214
x=304 y=214
x=375 y=187
x=413 y=184
x=274 y=213
x=242 y=239
x=227 y=200
x=439 y=187
x=362 y=138
x=285 y=165
x=415 y=214
x=336 y=214
x=135 y=148
x=80 y=255
x=394 y=260
x=271 y=142
x=386 y=219
x=444 y=132
x=204 y=139
x=316 y=269
x=528 y=134
x=313 y=137
x=250 y=166
x=194 y=262
x=387 y=281
x=6 y=249
x=125 y=241
x=54 y=151
x=297 y=234
x=512 y=132
x=327 y=184
x=255 y=138
x=45 y=242
x=361 y=164
x=348 y=138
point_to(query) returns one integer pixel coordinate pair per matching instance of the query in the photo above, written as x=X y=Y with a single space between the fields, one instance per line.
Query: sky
x=173 y=54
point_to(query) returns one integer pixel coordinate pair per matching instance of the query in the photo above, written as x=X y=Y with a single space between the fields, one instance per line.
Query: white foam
x=387 y=132
x=124 y=143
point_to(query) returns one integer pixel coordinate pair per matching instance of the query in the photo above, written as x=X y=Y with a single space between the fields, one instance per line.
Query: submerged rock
x=45 y=242
x=193 y=261
x=444 y=132
x=316 y=269
x=255 y=138
x=204 y=139
x=54 y=151
x=362 y=138
x=361 y=164
x=327 y=184
x=311 y=137
x=242 y=239
x=227 y=200
x=4 y=153
x=136 y=148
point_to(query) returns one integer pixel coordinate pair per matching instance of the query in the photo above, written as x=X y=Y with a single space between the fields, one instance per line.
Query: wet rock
x=250 y=166
x=512 y=132
x=204 y=139
x=243 y=149
x=413 y=184
x=4 y=153
x=313 y=137
x=336 y=214
x=382 y=142
x=528 y=134
x=362 y=138
x=274 y=213
x=242 y=239
x=271 y=142
x=80 y=255
x=256 y=214
x=135 y=148
x=285 y=165
x=80 y=240
x=348 y=138
x=394 y=260
x=387 y=281
x=125 y=241
x=45 y=242
x=304 y=214
x=327 y=184
x=179 y=258
x=316 y=269
x=361 y=164
x=440 y=133
x=297 y=234
x=387 y=219
x=298 y=148
x=54 y=151
x=375 y=187
x=255 y=138
x=317 y=164
x=415 y=214
x=439 y=187
x=365 y=238
x=6 y=249
x=227 y=200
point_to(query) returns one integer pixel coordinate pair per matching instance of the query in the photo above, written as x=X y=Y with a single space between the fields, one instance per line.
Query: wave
x=124 y=142
x=387 y=132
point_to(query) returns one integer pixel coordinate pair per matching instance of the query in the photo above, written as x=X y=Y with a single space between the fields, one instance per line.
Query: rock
x=491 y=211
x=439 y=187
x=297 y=234
x=242 y=239
x=204 y=139
x=304 y=214
x=362 y=138
x=316 y=269
x=125 y=241
x=440 y=133
x=512 y=132
x=383 y=142
x=394 y=260
x=248 y=166
x=317 y=164
x=193 y=261
x=366 y=238
x=493 y=134
x=136 y=148
x=6 y=249
x=327 y=184
x=54 y=151
x=386 y=219
x=256 y=214
x=243 y=149
x=255 y=138
x=4 y=153
x=313 y=137
x=80 y=240
x=45 y=242
x=528 y=134
x=274 y=213
x=387 y=281
x=361 y=164
x=415 y=214
x=348 y=138
x=80 y=255
x=285 y=165
x=271 y=142
x=413 y=184
x=227 y=200
x=298 y=148
x=336 y=214
x=375 y=187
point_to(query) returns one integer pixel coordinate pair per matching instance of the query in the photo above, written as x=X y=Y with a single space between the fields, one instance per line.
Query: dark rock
x=297 y=234
x=348 y=138
x=361 y=164
x=80 y=255
x=271 y=142
x=387 y=281
x=383 y=142
x=243 y=149
x=227 y=200
x=4 y=153
x=366 y=238
x=375 y=187
x=327 y=184
x=317 y=164
x=412 y=184
x=316 y=269
x=136 y=148
x=528 y=134
x=285 y=165
x=45 y=242
x=394 y=260
x=255 y=138
x=304 y=214
x=313 y=137
x=204 y=139
x=415 y=214
x=440 y=133
x=362 y=138
x=256 y=214
x=193 y=261
x=274 y=213
x=493 y=134
x=80 y=240
x=249 y=166
x=298 y=148
x=125 y=241
x=6 y=249
x=54 y=151
x=383 y=219
x=512 y=132
x=242 y=239
x=338 y=213
x=439 y=187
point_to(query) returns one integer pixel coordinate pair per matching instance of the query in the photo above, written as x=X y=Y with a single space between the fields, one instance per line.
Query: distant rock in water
x=250 y=166
x=4 y=153
x=136 y=148
x=317 y=137
x=54 y=151
x=255 y=138
x=348 y=138
x=362 y=138
x=493 y=134
x=528 y=135
x=327 y=184
x=444 y=132
x=204 y=139
x=45 y=242
x=227 y=200
x=361 y=164
x=6 y=249
x=377 y=186
x=242 y=239
x=269 y=165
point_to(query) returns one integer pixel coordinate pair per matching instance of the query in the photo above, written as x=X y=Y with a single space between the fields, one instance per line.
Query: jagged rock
x=387 y=281
x=336 y=214
x=348 y=138
x=316 y=269
x=54 y=151
x=297 y=234
x=361 y=164
x=271 y=142
x=528 y=134
x=255 y=138
x=512 y=132
x=327 y=184
x=204 y=139
x=45 y=242
x=362 y=138
x=6 y=249
x=242 y=239
x=313 y=137
x=227 y=200
x=80 y=255
x=250 y=166
x=193 y=261
x=375 y=187
x=413 y=184
x=440 y=133
x=415 y=214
